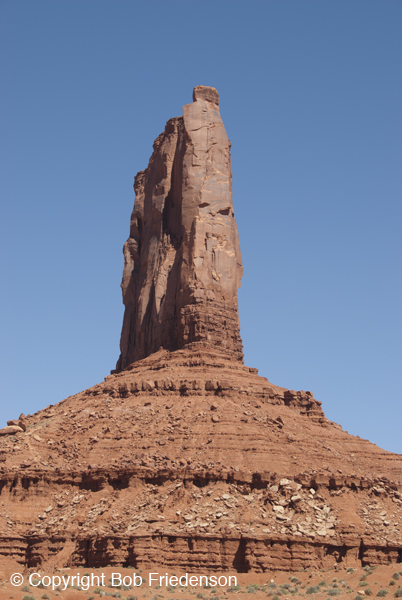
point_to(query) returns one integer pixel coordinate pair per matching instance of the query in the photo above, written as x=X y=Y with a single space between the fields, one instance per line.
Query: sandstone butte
x=184 y=457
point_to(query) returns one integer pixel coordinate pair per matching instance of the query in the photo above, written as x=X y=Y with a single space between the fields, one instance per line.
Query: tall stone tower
x=182 y=260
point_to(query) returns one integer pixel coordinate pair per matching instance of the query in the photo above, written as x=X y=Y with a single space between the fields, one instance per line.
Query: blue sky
x=311 y=96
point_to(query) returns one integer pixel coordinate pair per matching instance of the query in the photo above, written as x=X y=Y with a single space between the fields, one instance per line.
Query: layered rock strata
x=192 y=460
x=182 y=260
x=185 y=457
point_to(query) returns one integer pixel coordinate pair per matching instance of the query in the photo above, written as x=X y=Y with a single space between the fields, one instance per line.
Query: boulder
x=10 y=430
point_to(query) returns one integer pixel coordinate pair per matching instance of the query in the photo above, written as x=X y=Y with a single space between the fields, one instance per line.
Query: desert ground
x=381 y=581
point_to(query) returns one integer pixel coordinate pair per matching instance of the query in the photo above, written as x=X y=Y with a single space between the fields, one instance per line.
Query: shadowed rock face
x=182 y=260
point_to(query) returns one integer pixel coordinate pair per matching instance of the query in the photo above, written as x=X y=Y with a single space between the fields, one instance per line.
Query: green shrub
x=368 y=592
x=25 y=588
x=382 y=593
x=45 y=597
x=334 y=592
x=398 y=593
x=349 y=571
x=396 y=576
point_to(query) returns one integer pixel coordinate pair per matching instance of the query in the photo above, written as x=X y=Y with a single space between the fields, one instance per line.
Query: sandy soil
x=382 y=581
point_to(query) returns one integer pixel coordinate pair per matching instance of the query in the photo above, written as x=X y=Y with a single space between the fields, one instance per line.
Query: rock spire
x=182 y=261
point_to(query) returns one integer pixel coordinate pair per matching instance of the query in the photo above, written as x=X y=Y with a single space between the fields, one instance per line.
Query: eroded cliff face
x=182 y=260
x=191 y=460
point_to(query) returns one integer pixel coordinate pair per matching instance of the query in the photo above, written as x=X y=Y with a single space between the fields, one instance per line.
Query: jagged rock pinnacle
x=182 y=260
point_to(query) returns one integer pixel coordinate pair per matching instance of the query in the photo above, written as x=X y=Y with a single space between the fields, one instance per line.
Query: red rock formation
x=182 y=259
x=190 y=459
x=186 y=457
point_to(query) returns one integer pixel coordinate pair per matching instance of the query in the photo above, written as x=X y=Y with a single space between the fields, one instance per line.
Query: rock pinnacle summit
x=182 y=260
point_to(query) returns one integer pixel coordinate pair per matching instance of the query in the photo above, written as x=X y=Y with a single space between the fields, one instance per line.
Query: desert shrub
x=368 y=592
x=398 y=593
x=294 y=580
x=334 y=592
x=396 y=575
x=382 y=593
x=25 y=588
x=313 y=589
x=45 y=597
x=349 y=571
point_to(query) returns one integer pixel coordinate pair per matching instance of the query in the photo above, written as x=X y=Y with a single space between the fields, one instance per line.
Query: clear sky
x=311 y=97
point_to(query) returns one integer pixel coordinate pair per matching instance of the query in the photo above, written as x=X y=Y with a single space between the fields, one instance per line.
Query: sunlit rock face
x=182 y=260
